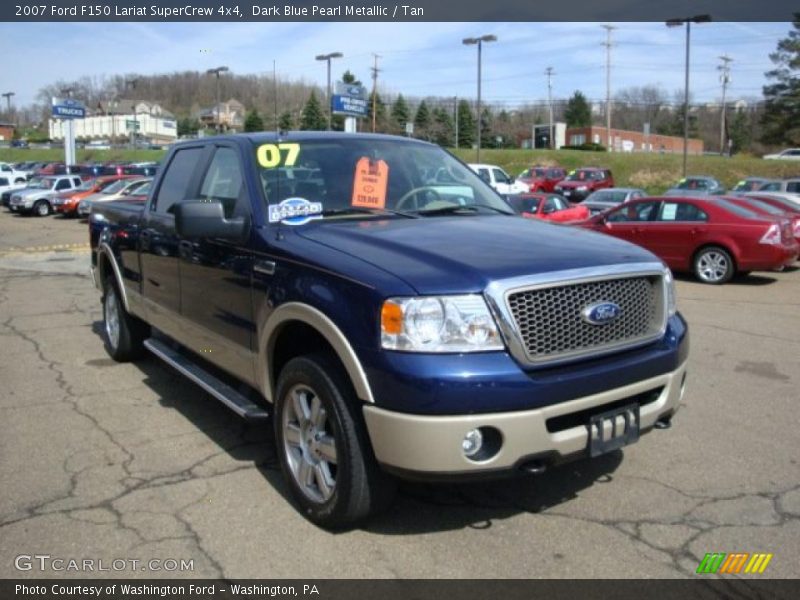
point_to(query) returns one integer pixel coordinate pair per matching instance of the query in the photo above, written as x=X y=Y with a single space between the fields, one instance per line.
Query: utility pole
x=375 y=71
x=455 y=116
x=550 y=72
x=608 y=44
x=132 y=83
x=217 y=72
x=725 y=78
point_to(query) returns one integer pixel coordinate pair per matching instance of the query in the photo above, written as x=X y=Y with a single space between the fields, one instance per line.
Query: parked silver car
x=116 y=191
x=787 y=186
x=696 y=185
x=602 y=200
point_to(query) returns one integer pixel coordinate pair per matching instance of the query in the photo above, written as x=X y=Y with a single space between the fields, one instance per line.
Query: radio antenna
x=275 y=85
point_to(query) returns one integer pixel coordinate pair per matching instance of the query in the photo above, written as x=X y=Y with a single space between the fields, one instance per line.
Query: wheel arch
x=295 y=327
x=107 y=265
x=723 y=245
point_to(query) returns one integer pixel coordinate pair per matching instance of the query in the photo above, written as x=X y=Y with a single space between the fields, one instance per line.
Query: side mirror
x=199 y=219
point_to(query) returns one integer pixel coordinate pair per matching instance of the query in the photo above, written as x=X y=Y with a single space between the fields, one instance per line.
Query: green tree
x=286 y=122
x=487 y=132
x=188 y=126
x=442 y=130
x=739 y=132
x=781 y=118
x=578 y=113
x=253 y=121
x=466 y=125
x=337 y=122
x=313 y=117
x=422 y=121
x=381 y=124
x=400 y=113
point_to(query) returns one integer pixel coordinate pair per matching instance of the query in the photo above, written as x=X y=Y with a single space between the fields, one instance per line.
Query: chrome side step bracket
x=237 y=402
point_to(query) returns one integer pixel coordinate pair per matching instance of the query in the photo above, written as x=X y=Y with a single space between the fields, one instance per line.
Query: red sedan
x=712 y=238
x=766 y=208
x=542 y=179
x=550 y=207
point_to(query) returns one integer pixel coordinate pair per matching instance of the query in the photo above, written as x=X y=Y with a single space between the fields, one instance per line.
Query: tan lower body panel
x=432 y=444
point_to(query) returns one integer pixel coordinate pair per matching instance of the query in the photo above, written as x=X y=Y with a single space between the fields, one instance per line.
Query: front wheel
x=124 y=334
x=324 y=451
x=713 y=265
x=41 y=208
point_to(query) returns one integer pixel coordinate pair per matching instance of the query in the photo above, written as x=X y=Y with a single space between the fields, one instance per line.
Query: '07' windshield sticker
x=294 y=211
x=277 y=155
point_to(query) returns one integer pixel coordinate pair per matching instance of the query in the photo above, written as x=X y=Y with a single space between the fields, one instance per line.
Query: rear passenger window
x=793 y=186
x=680 y=211
x=4 y=181
x=175 y=185
x=223 y=180
x=63 y=184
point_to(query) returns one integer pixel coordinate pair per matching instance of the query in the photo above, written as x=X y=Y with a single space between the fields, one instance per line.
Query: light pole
x=132 y=83
x=7 y=96
x=69 y=137
x=479 y=41
x=677 y=23
x=217 y=72
x=327 y=58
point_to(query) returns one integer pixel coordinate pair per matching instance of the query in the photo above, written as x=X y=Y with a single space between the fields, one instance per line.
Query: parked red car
x=765 y=208
x=581 y=182
x=712 y=238
x=542 y=179
x=550 y=207
x=67 y=203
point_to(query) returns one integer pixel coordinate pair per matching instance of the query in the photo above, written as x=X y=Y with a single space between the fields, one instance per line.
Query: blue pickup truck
x=389 y=313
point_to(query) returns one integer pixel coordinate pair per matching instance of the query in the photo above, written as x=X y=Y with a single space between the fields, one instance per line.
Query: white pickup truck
x=38 y=196
x=8 y=170
x=499 y=179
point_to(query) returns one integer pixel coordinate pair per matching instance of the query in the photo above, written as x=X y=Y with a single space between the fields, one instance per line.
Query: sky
x=417 y=59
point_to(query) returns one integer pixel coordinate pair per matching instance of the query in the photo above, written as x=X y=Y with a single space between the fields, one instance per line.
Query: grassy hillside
x=652 y=172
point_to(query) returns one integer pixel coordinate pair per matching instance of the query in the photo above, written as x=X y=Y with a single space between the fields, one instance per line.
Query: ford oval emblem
x=601 y=313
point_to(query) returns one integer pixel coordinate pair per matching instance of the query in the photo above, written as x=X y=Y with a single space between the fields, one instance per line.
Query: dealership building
x=631 y=141
x=115 y=120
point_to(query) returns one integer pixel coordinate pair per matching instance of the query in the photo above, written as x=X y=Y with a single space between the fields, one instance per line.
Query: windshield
x=86 y=185
x=584 y=175
x=606 y=196
x=738 y=210
x=42 y=184
x=142 y=190
x=747 y=185
x=358 y=177
x=524 y=205
x=115 y=186
x=693 y=184
x=768 y=208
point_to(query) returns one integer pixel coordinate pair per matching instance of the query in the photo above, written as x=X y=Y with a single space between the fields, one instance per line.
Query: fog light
x=472 y=443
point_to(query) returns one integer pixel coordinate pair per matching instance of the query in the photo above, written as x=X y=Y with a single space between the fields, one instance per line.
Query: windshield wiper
x=363 y=210
x=457 y=208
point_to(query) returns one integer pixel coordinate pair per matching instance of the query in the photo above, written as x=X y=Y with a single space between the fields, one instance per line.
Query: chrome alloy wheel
x=309 y=444
x=111 y=313
x=712 y=266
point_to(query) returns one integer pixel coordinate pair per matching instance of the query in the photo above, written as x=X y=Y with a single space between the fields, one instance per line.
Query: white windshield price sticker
x=294 y=211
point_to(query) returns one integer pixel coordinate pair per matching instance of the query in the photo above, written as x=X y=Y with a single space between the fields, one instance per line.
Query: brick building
x=631 y=141
x=6 y=132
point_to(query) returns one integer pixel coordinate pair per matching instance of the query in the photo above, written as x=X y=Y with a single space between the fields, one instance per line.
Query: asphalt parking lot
x=104 y=461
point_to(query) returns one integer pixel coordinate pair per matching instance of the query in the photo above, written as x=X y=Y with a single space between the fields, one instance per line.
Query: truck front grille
x=549 y=319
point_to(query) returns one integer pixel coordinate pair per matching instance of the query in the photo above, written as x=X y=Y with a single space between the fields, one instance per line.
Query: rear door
x=216 y=274
x=677 y=231
x=158 y=242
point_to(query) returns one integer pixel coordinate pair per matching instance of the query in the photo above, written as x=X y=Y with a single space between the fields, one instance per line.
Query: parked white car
x=38 y=196
x=8 y=184
x=499 y=179
x=788 y=154
x=8 y=170
x=786 y=186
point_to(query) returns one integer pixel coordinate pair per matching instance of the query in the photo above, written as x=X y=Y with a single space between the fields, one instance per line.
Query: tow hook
x=534 y=467
x=664 y=423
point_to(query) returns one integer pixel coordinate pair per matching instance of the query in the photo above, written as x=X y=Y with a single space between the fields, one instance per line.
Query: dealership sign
x=346 y=105
x=66 y=108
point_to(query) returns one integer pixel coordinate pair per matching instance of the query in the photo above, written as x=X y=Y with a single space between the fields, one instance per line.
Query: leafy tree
x=400 y=113
x=739 y=132
x=422 y=120
x=253 y=121
x=188 y=126
x=466 y=125
x=350 y=79
x=286 y=122
x=578 y=113
x=781 y=119
x=313 y=117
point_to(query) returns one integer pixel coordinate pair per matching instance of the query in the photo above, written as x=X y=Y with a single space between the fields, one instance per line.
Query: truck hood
x=23 y=192
x=463 y=254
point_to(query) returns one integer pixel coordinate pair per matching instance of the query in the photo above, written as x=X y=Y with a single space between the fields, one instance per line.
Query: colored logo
x=294 y=211
x=601 y=313
x=734 y=563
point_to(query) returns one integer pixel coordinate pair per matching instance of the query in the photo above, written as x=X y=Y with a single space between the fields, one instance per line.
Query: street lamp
x=677 y=23
x=327 y=58
x=7 y=96
x=217 y=72
x=479 y=42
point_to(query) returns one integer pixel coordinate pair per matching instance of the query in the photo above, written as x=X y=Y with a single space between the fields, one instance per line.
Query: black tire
x=20 y=180
x=128 y=343
x=713 y=265
x=41 y=208
x=360 y=488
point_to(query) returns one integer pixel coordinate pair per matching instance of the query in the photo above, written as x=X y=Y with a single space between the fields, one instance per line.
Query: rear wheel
x=323 y=446
x=41 y=208
x=713 y=265
x=124 y=334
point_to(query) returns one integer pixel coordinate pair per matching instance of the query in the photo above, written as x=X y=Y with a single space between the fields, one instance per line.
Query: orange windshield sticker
x=370 y=182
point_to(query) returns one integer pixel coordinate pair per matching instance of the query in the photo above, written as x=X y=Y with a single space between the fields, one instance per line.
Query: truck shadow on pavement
x=419 y=507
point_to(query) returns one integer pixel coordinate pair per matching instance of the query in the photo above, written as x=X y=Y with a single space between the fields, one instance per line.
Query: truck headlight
x=439 y=324
x=672 y=300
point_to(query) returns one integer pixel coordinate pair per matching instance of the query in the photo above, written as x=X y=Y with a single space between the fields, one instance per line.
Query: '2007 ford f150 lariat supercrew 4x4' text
x=389 y=311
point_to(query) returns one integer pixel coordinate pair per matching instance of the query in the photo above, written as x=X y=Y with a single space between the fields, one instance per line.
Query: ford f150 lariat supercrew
x=388 y=311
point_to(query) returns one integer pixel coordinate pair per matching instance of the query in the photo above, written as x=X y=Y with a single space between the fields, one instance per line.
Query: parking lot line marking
x=51 y=248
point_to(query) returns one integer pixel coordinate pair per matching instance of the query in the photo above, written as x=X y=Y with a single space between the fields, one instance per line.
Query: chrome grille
x=548 y=319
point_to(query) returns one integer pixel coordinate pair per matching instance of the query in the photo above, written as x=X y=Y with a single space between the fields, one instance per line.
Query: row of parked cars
x=696 y=226
x=41 y=189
